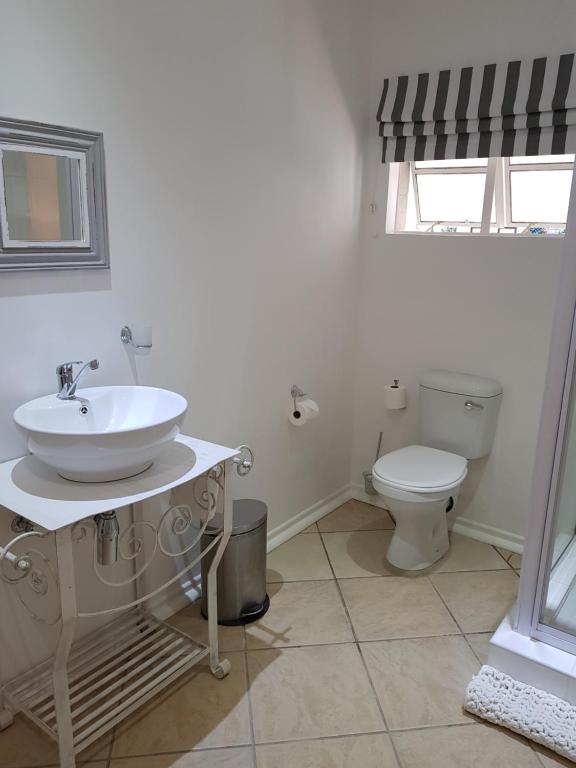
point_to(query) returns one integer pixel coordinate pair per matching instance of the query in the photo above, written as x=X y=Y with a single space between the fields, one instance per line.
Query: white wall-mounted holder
x=140 y=338
x=93 y=683
x=296 y=393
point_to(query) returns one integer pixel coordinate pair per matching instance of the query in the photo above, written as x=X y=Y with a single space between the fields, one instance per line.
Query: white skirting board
x=471 y=528
x=357 y=492
x=463 y=525
x=302 y=520
x=489 y=534
x=531 y=712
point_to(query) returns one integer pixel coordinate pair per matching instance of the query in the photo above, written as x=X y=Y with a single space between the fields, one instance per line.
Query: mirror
x=43 y=198
x=52 y=198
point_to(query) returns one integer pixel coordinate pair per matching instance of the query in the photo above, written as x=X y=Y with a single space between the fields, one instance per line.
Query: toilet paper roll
x=395 y=397
x=306 y=409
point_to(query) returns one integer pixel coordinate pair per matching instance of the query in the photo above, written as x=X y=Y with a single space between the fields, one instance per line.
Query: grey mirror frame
x=95 y=255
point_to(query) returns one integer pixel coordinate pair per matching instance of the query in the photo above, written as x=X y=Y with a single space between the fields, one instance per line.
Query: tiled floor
x=355 y=665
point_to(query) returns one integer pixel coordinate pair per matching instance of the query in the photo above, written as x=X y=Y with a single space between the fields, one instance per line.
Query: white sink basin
x=123 y=431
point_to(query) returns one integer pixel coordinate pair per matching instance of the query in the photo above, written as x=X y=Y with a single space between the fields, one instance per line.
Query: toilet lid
x=419 y=467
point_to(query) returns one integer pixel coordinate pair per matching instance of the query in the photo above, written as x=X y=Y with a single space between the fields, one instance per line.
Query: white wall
x=234 y=172
x=481 y=305
x=234 y=136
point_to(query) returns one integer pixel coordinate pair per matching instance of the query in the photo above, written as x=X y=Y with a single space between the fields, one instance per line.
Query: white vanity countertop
x=32 y=489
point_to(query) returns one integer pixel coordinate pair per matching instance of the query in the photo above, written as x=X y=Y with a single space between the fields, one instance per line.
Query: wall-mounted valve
x=19 y=524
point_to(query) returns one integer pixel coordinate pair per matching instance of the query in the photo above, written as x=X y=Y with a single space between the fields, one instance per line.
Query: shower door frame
x=560 y=378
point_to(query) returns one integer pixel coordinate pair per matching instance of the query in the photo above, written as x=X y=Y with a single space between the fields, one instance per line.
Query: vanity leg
x=6 y=716
x=220 y=667
x=60 y=669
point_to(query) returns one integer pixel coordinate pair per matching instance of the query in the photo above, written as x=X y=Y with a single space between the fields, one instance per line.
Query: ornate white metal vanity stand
x=92 y=684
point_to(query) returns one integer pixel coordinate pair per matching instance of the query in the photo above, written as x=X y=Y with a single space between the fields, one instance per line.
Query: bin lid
x=248 y=514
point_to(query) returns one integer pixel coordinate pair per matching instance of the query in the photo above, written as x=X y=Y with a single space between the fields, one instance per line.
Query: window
x=502 y=195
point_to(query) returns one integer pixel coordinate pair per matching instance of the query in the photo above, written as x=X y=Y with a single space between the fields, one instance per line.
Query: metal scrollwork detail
x=206 y=494
x=245 y=461
x=32 y=571
x=181 y=522
x=179 y=530
x=16 y=568
x=42 y=581
x=130 y=545
x=182 y=519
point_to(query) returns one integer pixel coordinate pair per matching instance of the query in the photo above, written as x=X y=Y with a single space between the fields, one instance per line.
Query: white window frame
x=497 y=188
x=508 y=167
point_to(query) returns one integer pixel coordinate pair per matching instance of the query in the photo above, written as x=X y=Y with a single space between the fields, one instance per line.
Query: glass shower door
x=546 y=608
x=558 y=607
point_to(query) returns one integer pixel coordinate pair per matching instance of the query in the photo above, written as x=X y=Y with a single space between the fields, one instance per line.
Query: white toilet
x=420 y=484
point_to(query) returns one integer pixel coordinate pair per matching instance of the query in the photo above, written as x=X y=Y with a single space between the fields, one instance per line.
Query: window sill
x=479 y=234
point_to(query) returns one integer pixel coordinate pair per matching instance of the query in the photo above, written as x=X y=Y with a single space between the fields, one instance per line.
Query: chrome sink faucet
x=67 y=382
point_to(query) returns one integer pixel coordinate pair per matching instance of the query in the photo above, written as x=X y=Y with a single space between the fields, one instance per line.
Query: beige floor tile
x=504 y=552
x=393 y=607
x=23 y=744
x=478 y=601
x=358 y=553
x=301 y=613
x=201 y=712
x=356 y=516
x=550 y=759
x=191 y=621
x=467 y=554
x=480 y=643
x=301 y=559
x=421 y=682
x=311 y=529
x=512 y=558
x=515 y=561
x=235 y=757
x=467 y=746
x=373 y=751
x=306 y=693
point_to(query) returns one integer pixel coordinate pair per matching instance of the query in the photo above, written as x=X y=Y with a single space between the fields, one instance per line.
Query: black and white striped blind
x=497 y=110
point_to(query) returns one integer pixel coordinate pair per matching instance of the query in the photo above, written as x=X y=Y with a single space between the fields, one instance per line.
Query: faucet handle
x=67 y=367
x=67 y=382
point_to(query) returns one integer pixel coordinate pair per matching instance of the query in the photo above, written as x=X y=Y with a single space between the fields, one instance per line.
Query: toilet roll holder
x=297 y=394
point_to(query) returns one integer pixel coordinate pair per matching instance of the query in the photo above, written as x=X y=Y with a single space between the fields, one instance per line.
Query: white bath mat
x=538 y=715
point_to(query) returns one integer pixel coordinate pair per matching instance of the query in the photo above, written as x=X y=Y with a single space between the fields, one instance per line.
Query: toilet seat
x=418 y=469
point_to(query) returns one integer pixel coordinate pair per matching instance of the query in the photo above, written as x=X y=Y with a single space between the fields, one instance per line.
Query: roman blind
x=493 y=110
